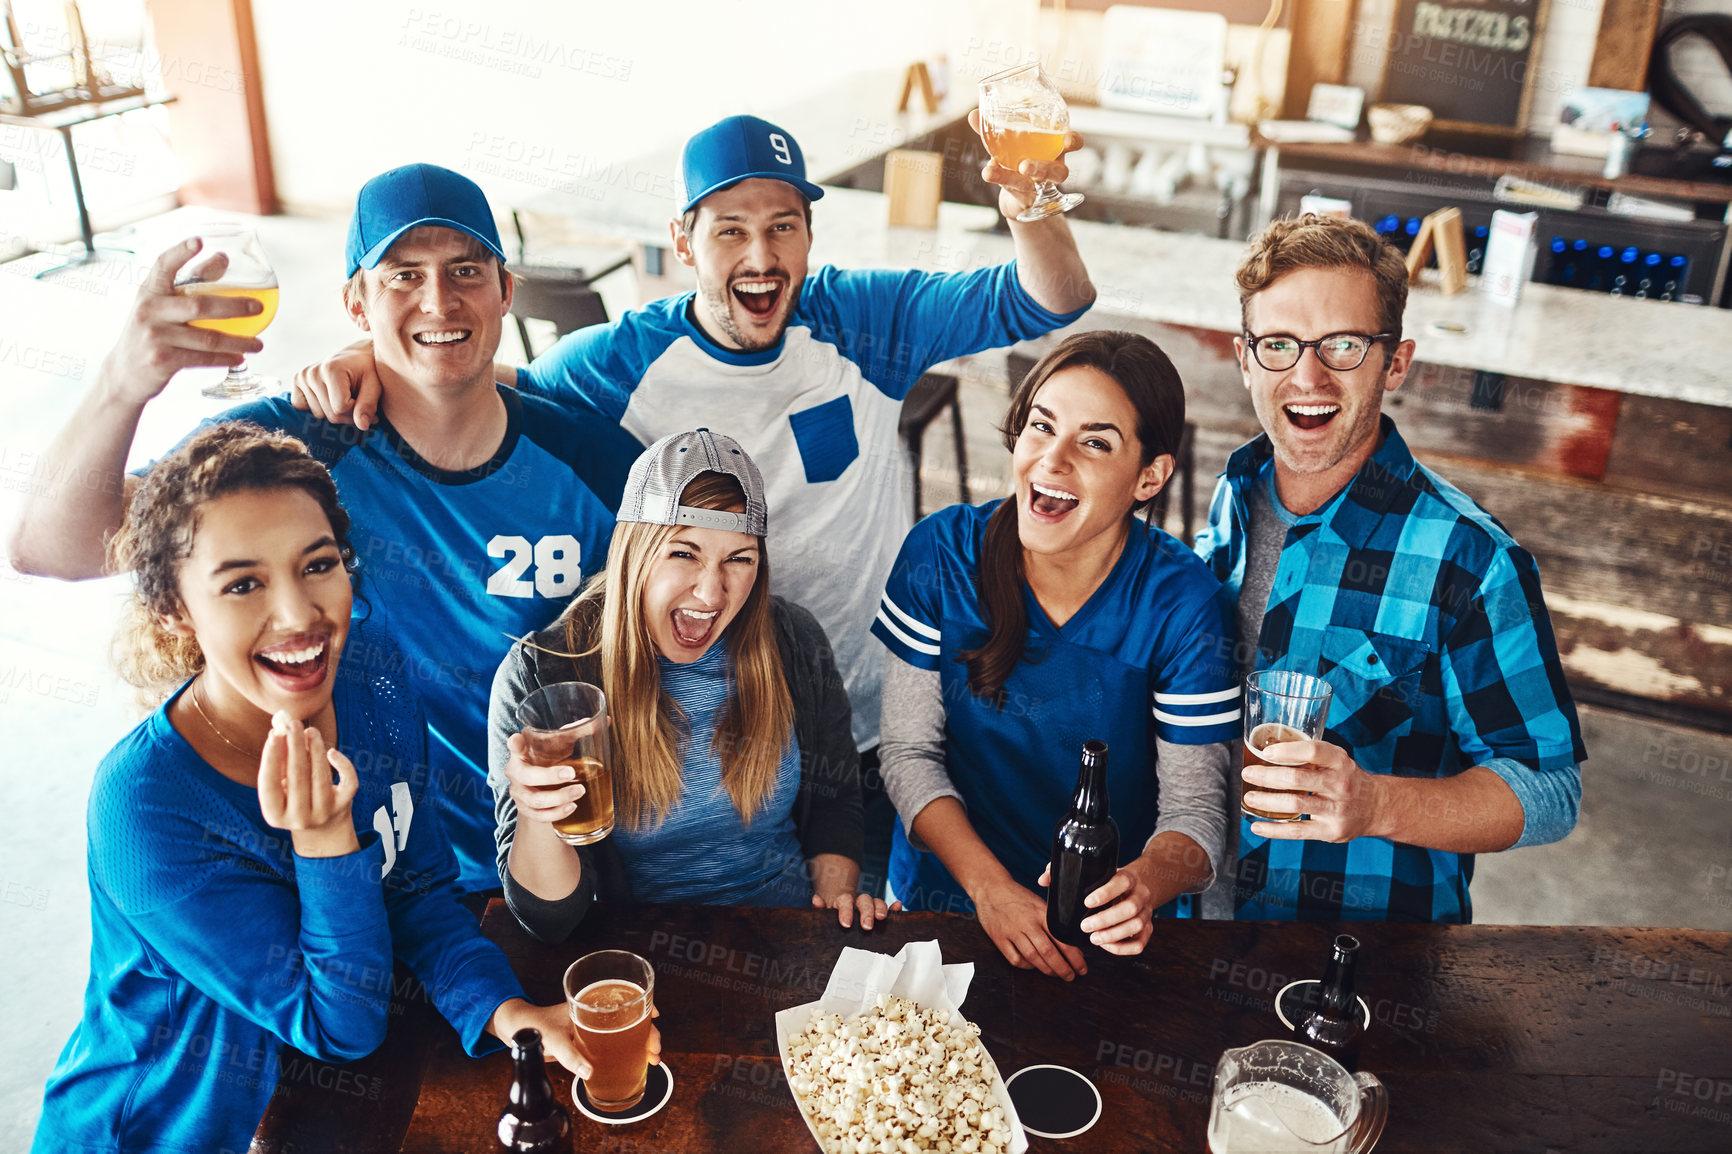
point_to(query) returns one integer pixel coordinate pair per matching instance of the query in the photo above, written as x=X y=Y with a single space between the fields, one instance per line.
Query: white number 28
x=557 y=572
x=780 y=144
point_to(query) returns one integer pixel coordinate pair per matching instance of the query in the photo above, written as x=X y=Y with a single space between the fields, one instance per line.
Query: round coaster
x=1296 y=997
x=658 y=1088
x=1053 y=1101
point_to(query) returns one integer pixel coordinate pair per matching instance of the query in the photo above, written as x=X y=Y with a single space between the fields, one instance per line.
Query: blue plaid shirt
x=1426 y=619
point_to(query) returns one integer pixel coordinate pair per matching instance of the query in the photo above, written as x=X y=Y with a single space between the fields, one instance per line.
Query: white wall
x=522 y=94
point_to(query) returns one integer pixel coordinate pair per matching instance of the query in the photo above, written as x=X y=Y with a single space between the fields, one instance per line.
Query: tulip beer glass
x=243 y=270
x=1280 y=706
x=611 y=993
x=1023 y=118
x=566 y=724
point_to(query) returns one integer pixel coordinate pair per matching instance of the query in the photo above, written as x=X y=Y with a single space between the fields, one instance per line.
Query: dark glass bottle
x=1336 y=1024
x=1085 y=849
x=533 y=1119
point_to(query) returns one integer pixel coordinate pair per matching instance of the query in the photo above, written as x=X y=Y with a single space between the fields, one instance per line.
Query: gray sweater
x=827 y=815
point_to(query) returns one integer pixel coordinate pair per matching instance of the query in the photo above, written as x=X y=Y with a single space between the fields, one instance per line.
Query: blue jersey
x=817 y=412
x=212 y=942
x=1149 y=655
x=456 y=565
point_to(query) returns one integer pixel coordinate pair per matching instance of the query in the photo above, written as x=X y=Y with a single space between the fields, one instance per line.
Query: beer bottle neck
x=1089 y=801
x=531 y=1092
x=1337 y=988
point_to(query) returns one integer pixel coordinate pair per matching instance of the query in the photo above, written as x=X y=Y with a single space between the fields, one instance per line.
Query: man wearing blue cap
x=475 y=507
x=807 y=372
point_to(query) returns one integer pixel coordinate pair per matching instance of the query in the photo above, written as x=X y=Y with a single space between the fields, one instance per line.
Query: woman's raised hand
x=298 y=793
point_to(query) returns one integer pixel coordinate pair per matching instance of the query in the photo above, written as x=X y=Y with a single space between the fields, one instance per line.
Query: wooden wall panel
x=1625 y=42
x=1318 y=55
x=211 y=65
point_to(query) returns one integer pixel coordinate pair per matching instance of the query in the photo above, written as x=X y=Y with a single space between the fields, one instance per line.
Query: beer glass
x=247 y=274
x=1280 y=706
x=566 y=724
x=611 y=993
x=1023 y=118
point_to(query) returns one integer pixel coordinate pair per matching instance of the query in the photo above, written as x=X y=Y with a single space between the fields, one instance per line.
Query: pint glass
x=1280 y=706
x=566 y=724
x=610 y=993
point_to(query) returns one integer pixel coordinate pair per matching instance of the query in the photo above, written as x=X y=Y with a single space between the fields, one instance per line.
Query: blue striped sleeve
x=910 y=613
x=1195 y=682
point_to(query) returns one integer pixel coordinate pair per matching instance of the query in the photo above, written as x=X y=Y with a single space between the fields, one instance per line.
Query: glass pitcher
x=1281 y=1096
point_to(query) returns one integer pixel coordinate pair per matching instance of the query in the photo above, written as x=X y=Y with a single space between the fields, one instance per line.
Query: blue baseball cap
x=394 y=202
x=740 y=148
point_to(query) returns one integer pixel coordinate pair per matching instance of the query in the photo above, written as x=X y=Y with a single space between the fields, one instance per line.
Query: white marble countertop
x=1653 y=348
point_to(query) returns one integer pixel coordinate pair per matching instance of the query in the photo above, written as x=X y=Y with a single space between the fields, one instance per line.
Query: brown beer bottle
x=1335 y=1025
x=1085 y=849
x=533 y=1119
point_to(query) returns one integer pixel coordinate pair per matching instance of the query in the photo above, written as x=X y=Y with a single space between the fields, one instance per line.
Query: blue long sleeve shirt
x=213 y=942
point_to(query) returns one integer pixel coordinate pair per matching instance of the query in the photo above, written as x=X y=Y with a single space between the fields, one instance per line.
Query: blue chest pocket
x=825 y=434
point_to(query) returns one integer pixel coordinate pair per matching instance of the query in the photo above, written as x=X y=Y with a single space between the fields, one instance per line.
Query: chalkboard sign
x=1469 y=61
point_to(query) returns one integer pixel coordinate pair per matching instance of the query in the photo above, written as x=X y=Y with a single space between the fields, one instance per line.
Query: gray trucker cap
x=653 y=488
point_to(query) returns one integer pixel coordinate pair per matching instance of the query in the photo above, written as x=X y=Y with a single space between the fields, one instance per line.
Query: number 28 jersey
x=455 y=565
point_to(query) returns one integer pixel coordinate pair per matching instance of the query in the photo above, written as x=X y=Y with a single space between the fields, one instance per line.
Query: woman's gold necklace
x=205 y=717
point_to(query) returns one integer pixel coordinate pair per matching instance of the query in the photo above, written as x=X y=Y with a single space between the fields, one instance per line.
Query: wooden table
x=1506 y=1038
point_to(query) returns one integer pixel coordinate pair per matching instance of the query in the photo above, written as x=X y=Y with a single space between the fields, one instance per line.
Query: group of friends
x=343 y=594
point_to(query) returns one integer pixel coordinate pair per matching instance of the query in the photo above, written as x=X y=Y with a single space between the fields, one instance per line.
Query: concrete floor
x=1653 y=846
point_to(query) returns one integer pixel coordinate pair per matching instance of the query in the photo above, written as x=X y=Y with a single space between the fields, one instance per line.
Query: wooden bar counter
x=1507 y=1038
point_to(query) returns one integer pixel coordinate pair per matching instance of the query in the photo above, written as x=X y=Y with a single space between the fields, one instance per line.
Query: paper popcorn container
x=917 y=973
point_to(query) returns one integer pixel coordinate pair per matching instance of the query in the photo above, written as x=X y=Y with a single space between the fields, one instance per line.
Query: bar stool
x=929 y=397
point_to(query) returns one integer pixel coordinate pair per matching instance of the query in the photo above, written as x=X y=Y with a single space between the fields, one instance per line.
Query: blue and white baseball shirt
x=1149 y=655
x=818 y=414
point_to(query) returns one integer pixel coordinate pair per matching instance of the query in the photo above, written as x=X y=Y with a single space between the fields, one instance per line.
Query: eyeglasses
x=1342 y=352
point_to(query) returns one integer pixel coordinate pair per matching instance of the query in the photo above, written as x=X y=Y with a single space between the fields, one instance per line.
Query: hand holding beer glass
x=233 y=265
x=612 y=998
x=564 y=727
x=1279 y=706
x=1023 y=117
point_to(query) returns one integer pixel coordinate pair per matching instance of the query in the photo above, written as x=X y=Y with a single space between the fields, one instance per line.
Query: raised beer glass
x=247 y=272
x=611 y=993
x=1280 y=706
x=1023 y=118
x=566 y=724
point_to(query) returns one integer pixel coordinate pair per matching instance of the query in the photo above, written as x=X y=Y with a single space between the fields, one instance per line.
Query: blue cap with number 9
x=740 y=148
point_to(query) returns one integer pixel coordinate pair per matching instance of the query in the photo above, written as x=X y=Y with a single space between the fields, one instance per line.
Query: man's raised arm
x=1048 y=265
x=67 y=520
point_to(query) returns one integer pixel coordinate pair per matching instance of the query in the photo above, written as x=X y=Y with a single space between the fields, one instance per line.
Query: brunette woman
x=261 y=847
x=1022 y=627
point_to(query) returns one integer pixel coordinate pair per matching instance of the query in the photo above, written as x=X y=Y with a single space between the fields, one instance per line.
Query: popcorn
x=870 y=1082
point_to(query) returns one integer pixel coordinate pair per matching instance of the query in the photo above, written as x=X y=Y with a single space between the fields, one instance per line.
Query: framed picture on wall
x=1469 y=61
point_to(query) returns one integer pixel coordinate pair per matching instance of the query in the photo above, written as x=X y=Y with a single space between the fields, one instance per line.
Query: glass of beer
x=611 y=993
x=566 y=724
x=1280 y=706
x=245 y=272
x=1023 y=118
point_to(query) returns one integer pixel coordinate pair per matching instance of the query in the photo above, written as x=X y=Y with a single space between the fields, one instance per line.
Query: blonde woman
x=736 y=780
